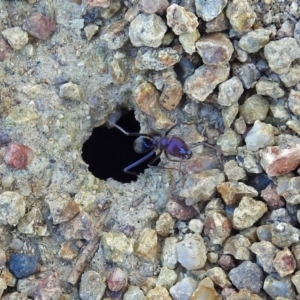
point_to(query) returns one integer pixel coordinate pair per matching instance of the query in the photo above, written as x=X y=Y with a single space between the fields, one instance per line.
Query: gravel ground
x=223 y=224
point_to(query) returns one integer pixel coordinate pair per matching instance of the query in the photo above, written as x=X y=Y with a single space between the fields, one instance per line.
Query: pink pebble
x=18 y=156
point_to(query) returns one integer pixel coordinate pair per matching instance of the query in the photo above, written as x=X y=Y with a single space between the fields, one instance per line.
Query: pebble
x=229 y=114
x=68 y=250
x=62 y=207
x=16 y=37
x=39 y=26
x=158 y=292
x=284 y=234
x=92 y=286
x=241 y=15
x=169 y=254
x=253 y=41
x=181 y=20
x=165 y=224
x=147 y=30
x=146 y=97
x=117 y=247
x=292 y=77
x=156 y=59
x=183 y=289
x=147 y=245
x=215 y=49
x=281 y=53
x=260 y=136
x=233 y=192
x=247 y=275
x=217 y=227
x=233 y=171
x=196 y=226
x=191 y=252
x=296 y=281
x=166 y=278
x=71 y=91
x=286 y=29
x=271 y=197
x=238 y=247
x=218 y=24
x=247 y=73
x=99 y=3
x=80 y=227
x=188 y=41
x=115 y=35
x=201 y=186
x=206 y=290
x=134 y=293
x=284 y=262
x=4 y=50
x=229 y=142
x=248 y=212
x=111 y=11
x=205 y=79
x=179 y=210
x=280 y=160
x=265 y=253
x=294 y=102
x=269 y=88
x=249 y=110
x=277 y=287
x=226 y=262
x=208 y=10
x=117 y=280
x=152 y=7
x=33 y=223
x=90 y=31
x=12 y=208
x=288 y=188
x=238 y=53
x=18 y=156
x=294 y=125
x=171 y=93
x=240 y=125
x=249 y=160
x=219 y=277
x=230 y=91
x=23 y=265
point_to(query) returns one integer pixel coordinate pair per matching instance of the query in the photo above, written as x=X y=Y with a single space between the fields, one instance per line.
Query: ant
x=174 y=146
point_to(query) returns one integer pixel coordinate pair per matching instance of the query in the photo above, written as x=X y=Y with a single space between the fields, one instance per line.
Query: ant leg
x=137 y=163
x=169 y=130
x=128 y=133
x=150 y=165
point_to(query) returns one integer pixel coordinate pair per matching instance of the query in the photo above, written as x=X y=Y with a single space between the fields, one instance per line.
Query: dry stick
x=88 y=252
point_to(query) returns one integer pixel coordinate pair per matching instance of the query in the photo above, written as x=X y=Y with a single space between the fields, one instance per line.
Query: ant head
x=143 y=144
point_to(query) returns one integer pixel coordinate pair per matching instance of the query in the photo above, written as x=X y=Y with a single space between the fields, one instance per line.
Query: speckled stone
x=281 y=53
x=230 y=91
x=271 y=197
x=229 y=142
x=183 y=289
x=247 y=275
x=23 y=265
x=146 y=247
x=233 y=171
x=169 y=253
x=294 y=102
x=284 y=262
x=188 y=41
x=247 y=73
x=71 y=91
x=254 y=40
x=208 y=10
x=152 y=7
x=134 y=293
x=275 y=287
x=292 y=77
x=165 y=224
x=238 y=247
x=284 y=234
x=158 y=292
x=288 y=188
x=16 y=37
x=92 y=286
x=249 y=110
x=269 y=88
x=206 y=290
x=166 y=278
x=219 y=277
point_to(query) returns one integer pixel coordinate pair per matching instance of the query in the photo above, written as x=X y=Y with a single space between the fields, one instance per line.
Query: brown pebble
x=4 y=50
x=18 y=156
x=117 y=280
x=180 y=211
x=39 y=26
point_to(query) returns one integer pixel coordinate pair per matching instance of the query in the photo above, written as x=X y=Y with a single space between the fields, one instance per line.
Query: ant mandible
x=174 y=146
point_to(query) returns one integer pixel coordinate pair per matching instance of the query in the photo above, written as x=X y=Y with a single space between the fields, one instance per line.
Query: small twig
x=88 y=251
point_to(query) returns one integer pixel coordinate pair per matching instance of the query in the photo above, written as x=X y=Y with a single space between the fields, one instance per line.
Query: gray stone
x=254 y=40
x=183 y=289
x=230 y=91
x=208 y=10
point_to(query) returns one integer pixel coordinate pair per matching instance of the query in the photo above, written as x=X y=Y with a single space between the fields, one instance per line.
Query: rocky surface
x=223 y=224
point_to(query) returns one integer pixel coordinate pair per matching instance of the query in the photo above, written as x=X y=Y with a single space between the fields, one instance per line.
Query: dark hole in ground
x=109 y=151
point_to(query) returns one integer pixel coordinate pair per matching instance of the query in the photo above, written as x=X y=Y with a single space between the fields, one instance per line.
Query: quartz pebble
x=169 y=254
x=280 y=54
x=191 y=252
x=39 y=26
x=247 y=275
x=147 y=30
x=181 y=20
x=183 y=289
x=215 y=49
x=199 y=85
x=12 y=208
x=260 y=136
x=16 y=37
x=92 y=286
x=196 y=226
